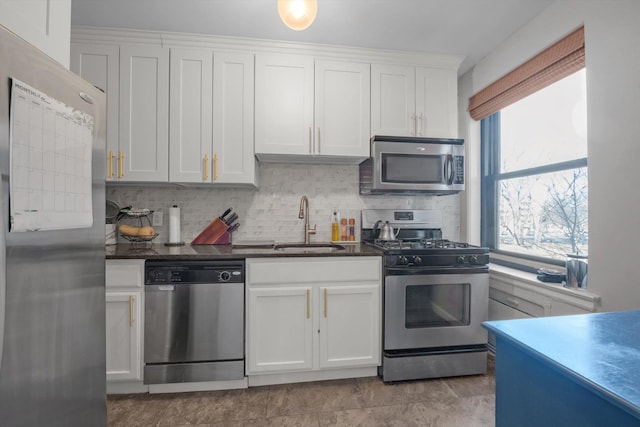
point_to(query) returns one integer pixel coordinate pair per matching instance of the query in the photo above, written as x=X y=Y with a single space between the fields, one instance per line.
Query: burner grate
x=419 y=244
x=443 y=244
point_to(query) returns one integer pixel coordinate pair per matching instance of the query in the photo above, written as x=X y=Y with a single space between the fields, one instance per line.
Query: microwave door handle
x=449 y=169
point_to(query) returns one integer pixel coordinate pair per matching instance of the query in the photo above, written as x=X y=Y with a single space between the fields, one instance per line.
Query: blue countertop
x=601 y=351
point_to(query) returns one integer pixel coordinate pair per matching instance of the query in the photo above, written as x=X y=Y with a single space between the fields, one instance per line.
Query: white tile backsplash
x=271 y=212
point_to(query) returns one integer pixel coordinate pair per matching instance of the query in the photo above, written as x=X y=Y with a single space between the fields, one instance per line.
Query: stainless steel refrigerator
x=52 y=297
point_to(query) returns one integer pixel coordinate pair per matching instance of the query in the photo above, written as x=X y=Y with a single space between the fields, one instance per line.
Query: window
x=535 y=176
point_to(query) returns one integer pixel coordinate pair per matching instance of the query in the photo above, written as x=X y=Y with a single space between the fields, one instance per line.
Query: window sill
x=528 y=282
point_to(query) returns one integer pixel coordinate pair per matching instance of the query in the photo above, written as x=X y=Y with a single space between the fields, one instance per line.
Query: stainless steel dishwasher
x=194 y=321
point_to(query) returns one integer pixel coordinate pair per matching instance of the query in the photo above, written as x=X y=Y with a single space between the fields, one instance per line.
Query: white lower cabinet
x=347 y=335
x=124 y=325
x=312 y=314
x=279 y=327
x=123 y=336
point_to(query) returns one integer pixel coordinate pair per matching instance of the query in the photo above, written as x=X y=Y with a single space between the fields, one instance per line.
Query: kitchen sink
x=308 y=247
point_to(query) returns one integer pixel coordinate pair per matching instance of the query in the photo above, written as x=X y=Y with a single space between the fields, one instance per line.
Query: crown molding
x=103 y=35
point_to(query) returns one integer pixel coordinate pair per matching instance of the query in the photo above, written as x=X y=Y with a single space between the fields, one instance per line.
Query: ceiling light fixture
x=297 y=14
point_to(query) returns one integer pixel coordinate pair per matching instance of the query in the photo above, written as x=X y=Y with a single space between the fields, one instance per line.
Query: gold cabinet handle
x=308 y=303
x=110 y=164
x=325 y=303
x=318 y=141
x=130 y=310
x=310 y=152
x=120 y=157
x=206 y=167
x=215 y=167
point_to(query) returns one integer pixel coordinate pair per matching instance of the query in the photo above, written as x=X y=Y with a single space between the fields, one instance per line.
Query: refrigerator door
x=3 y=270
x=53 y=359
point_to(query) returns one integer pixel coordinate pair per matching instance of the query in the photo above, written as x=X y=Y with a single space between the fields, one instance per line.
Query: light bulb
x=297 y=14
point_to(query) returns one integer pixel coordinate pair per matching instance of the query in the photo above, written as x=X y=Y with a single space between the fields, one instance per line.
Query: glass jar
x=352 y=229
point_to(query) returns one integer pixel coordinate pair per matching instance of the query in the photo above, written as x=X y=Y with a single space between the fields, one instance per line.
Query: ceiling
x=471 y=28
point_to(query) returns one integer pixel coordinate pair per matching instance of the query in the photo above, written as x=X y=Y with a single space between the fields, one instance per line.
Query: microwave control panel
x=458 y=168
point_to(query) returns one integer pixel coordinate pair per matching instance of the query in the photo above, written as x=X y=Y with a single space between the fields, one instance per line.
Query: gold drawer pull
x=325 y=303
x=130 y=310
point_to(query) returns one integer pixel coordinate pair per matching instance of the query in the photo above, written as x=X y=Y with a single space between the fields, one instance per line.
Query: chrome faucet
x=304 y=213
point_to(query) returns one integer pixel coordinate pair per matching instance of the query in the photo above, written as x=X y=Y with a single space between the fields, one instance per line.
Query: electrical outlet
x=157 y=218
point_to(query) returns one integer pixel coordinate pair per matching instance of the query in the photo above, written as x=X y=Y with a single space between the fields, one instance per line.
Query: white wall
x=469 y=130
x=612 y=34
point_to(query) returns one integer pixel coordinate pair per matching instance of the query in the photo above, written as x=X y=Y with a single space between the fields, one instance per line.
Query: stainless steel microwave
x=413 y=165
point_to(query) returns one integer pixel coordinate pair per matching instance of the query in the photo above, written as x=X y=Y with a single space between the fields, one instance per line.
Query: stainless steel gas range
x=435 y=296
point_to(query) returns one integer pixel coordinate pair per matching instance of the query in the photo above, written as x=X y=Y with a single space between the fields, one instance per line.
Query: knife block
x=214 y=234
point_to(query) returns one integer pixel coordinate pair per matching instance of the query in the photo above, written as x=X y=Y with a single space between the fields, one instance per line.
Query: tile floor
x=449 y=402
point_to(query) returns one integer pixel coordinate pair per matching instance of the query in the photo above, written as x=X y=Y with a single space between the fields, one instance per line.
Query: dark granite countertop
x=187 y=251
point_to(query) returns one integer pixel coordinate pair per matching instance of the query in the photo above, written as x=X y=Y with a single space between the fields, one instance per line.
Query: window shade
x=552 y=64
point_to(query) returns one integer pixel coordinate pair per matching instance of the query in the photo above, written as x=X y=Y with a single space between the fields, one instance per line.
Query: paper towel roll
x=174 y=224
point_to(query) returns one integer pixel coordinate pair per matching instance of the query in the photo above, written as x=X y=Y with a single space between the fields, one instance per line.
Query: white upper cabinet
x=211 y=117
x=284 y=105
x=436 y=102
x=201 y=109
x=410 y=101
x=234 y=161
x=46 y=24
x=191 y=110
x=100 y=65
x=342 y=108
x=144 y=113
x=310 y=110
x=393 y=100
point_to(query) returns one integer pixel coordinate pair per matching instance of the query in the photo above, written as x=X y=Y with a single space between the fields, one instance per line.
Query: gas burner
x=394 y=244
x=442 y=244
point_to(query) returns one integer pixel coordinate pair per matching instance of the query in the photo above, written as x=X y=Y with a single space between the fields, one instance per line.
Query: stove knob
x=417 y=260
x=224 y=276
x=403 y=260
x=460 y=259
x=473 y=259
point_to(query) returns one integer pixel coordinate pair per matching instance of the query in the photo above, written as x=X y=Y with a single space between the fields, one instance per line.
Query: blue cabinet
x=581 y=370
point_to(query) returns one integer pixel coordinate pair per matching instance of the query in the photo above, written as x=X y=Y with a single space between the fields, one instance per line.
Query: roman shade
x=559 y=60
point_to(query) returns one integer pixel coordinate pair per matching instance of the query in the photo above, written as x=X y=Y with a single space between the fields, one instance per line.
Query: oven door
x=435 y=310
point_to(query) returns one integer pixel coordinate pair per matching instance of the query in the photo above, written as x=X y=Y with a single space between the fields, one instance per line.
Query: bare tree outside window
x=541 y=183
x=545 y=215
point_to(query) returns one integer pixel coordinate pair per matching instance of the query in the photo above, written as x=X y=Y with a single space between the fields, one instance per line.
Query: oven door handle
x=423 y=271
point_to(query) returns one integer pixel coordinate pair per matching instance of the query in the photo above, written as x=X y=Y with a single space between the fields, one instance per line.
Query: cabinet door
x=100 y=66
x=284 y=104
x=279 y=329
x=144 y=113
x=124 y=336
x=45 y=24
x=436 y=103
x=234 y=160
x=349 y=326
x=393 y=100
x=190 y=140
x=342 y=108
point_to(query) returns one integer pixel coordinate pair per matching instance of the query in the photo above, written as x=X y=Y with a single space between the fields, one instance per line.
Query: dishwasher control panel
x=161 y=272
